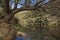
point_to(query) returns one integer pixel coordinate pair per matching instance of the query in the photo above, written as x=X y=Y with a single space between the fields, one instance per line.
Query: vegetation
x=40 y=21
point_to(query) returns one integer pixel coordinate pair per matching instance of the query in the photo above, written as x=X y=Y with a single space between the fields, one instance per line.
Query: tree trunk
x=6 y=27
x=7 y=30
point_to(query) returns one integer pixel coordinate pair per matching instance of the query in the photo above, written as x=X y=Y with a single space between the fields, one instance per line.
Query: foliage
x=39 y=22
x=35 y=26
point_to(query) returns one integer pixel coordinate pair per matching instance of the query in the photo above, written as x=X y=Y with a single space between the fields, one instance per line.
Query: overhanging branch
x=23 y=9
x=29 y=8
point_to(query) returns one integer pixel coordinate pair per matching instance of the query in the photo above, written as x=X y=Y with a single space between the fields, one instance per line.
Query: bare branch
x=29 y=8
x=47 y=2
x=23 y=9
x=27 y=3
x=38 y=3
x=16 y=3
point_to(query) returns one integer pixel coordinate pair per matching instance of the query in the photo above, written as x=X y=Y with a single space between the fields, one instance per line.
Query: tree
x=7 y=14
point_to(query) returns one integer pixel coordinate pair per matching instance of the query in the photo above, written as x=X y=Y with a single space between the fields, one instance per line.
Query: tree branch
x=47 y=2
x=16 y=3
x=6 y=6
x=23 y=9
x=29 y=8
x=38 y=3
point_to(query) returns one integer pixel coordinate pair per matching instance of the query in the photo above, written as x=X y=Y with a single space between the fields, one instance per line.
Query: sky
x=45 y=1
x=33 y=2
